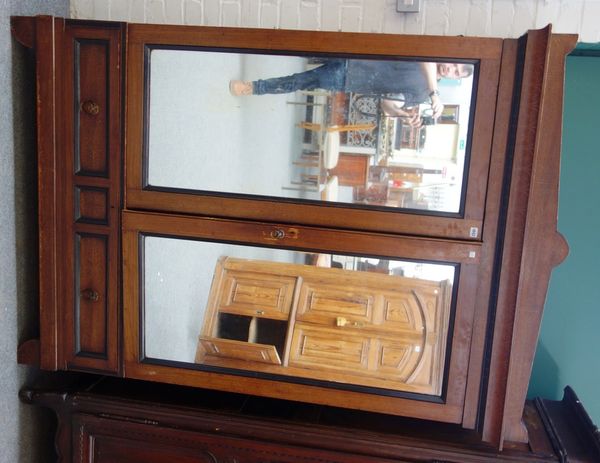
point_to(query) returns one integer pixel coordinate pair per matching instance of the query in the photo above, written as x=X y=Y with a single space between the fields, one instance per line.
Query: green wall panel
x=569 y=347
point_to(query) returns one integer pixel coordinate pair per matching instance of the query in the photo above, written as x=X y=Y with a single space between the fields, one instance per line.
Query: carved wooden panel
x=321 y=301
x=329 y=349
x=257 y=294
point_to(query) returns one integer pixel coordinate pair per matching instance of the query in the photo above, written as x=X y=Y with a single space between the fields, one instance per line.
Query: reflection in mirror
x=386 y=133
x=336 y=318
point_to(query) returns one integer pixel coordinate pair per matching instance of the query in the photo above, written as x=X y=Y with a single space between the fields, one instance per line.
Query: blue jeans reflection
x=329 y=76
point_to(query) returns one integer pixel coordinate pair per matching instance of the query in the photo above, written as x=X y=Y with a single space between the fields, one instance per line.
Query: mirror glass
x=369 y=132
x=339 y=320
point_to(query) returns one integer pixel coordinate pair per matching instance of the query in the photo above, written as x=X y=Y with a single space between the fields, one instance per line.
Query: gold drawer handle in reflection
x=90 y=295
x=343 y=321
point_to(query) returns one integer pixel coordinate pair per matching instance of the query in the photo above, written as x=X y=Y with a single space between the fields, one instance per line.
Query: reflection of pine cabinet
x=329 y=324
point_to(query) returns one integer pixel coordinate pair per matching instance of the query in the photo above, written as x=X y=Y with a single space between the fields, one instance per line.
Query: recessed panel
x=91 y=205
x=92 y=64
x=91 y=290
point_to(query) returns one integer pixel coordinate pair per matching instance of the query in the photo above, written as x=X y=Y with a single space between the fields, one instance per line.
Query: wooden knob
x=90 y=295
x=90 y=107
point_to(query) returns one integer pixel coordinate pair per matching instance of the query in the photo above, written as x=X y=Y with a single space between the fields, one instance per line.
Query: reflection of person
x=400 y=84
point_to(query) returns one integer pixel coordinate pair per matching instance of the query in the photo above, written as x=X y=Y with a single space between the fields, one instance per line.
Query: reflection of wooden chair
x=330 y=189
x=329 y=151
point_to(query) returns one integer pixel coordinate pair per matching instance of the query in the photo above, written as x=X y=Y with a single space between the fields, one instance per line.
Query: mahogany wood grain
x=92 y=204
x=531 y=213
x=178 y=423
x=92 y=62
x=543 y=246
x=91 y=294
x=504 y=270
x=313 y=41
x=496 y=182
x=311 y=239
x=29 y=353
x=23 y=29
x=48 y=190
x=90 y=168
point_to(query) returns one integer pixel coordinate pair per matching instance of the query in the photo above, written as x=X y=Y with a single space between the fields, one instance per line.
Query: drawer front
x=322 y=302
x=98 y=440
x=91 y=291
x=89 y=169
x=92 y=63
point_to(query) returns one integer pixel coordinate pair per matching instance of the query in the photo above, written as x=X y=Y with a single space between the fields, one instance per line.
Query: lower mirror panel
x=335 y=320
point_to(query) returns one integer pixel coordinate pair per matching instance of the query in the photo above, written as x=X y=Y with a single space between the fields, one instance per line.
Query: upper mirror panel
x=374 y=133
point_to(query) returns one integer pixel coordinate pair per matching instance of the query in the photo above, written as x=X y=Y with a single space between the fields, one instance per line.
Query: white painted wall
x=498 y=18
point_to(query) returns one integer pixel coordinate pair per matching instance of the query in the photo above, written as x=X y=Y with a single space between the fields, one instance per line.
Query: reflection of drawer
x=412 y=307
x=404 y=358
x=255 y=294
x=328 y=349
x=322 y=302
x=229 y=349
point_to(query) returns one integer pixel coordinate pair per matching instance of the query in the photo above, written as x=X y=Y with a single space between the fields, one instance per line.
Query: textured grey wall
x=25 y=436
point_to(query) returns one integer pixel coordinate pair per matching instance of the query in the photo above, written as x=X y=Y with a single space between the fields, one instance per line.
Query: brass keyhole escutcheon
x=90 y=107
x=277 y=234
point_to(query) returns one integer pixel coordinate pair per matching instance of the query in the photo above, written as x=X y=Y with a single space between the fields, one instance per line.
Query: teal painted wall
x=569 y=348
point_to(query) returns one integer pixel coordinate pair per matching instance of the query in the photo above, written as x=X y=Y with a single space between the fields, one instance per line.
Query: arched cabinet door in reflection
x=336 y=324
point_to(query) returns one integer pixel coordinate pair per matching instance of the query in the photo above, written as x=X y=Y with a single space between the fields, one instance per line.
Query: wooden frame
x=74 y=160
x=486 y=51
x=514 y=209
x=450 y=409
